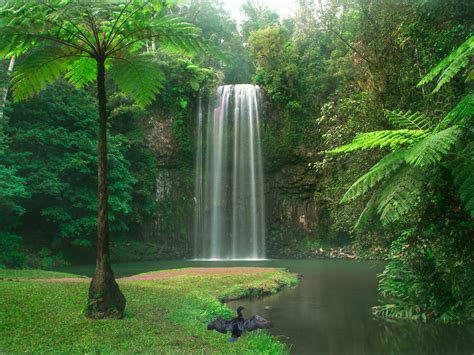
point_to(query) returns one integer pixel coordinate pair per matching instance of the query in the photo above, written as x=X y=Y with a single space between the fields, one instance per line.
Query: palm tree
x=81 y=40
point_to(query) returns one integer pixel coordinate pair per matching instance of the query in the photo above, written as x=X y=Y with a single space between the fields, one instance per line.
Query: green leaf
x=408 y=120
x=194 y=85
x=433 y=148
x=40 y=67
x=400 y=194
x=139 y=76
x=367 y=212
x=382 y=139
x=461 y=114
x=81 y=72
x=384 y=168
x=450 y=65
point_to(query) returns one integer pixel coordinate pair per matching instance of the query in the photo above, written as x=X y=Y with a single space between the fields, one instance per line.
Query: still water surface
x=329 y=311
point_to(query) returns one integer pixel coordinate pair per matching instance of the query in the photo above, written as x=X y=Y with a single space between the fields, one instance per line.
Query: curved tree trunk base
x=105 y=298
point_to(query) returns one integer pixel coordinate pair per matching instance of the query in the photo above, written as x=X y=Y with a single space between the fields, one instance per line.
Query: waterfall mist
x=229 y=214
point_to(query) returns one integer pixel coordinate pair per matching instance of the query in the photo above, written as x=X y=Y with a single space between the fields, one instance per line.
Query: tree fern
x=408 y=120
x=55 y=37
x=62 y=38
x=368 y=211
x=146 y=72
x=461 y=114
x=399 y=195
x=39 y=67
x=382 y=139
x=377 y=173
x=451 y=65
x=81 y=72
x=433 y=148
x=416 y=145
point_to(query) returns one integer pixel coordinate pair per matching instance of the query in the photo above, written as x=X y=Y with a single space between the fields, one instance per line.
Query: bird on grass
x=238 y=325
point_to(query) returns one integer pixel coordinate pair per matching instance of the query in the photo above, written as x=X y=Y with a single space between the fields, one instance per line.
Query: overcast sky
x=284 y=8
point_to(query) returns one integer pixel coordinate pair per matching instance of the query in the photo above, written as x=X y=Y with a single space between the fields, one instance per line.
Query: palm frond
x=408 y=120
x=461 y=114
x=433 y=148
x=450 y=65
x=384 y=168
x=400 y=194
x=382 y=139
x=139 y=76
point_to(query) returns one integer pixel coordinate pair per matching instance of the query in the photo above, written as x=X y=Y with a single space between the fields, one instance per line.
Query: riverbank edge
x=278 y=279
x=283 y=278
x=139 y=251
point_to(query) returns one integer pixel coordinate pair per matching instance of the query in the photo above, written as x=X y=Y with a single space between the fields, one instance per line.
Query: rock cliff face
x=173 y=224
x=291 y=213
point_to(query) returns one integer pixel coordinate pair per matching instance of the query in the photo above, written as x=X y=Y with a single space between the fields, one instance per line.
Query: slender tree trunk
x=105 y=298
x=5 y=89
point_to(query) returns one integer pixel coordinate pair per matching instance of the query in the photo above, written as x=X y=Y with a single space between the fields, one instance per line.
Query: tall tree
x=81 y=40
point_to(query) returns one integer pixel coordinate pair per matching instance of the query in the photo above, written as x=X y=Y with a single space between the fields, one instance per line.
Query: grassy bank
x=162 y=316
x=19 y=274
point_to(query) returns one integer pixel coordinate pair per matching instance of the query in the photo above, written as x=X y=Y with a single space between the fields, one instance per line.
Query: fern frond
x=382 y=139
x=408 y=120
x=385 y=167
x=433 y=148
x=81 y=72
x=461 y=114
x=139 y=76
x=463 y=174
x=367 y=212
x=450 y=65
x=399 y=195
x=172 y=34
x=40 y=67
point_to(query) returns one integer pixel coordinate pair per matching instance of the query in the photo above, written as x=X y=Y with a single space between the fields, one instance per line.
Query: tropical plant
x=418 y=146
x=429 y=274
x=81 y=41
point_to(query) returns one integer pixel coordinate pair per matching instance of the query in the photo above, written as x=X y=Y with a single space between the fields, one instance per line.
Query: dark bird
x=238 y=325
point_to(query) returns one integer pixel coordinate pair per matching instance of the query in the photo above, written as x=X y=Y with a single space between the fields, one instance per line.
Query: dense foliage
x=351 y=68
x=386 y=84
x=420 y=280
x=53 y=148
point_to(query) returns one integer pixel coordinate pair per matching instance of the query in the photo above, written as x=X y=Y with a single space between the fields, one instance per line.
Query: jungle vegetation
x=80 y=42
x=375 y=97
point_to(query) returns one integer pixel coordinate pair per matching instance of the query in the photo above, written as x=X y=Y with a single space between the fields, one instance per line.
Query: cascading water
x=229 y=215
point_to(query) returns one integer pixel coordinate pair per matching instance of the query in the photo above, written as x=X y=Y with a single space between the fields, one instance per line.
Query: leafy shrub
x=10 y=252
x=428 y=277
x=46 y=259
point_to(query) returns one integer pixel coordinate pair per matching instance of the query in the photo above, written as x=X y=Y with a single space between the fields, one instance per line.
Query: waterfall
x=229 y=212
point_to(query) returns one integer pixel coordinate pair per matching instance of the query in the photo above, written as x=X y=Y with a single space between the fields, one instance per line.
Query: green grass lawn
x=7 y=274
x=161 y=316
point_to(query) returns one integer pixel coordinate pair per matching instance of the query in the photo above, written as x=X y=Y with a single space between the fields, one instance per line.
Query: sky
x=284 y=8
